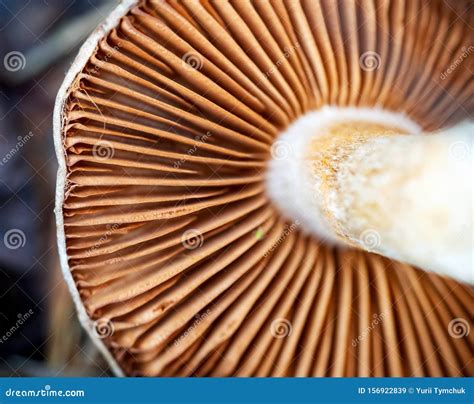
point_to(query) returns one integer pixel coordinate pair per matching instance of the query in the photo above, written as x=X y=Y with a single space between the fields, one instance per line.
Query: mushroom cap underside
x=178 y=261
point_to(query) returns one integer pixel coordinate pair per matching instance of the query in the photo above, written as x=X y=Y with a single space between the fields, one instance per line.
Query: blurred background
x=39 y=332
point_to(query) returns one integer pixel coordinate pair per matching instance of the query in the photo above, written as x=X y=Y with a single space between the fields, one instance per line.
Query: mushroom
x=219 y=204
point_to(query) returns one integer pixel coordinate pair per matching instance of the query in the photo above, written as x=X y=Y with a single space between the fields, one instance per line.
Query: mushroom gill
x=179 y=261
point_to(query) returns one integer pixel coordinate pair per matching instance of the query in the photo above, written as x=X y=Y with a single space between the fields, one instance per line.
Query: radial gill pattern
x=177 y=253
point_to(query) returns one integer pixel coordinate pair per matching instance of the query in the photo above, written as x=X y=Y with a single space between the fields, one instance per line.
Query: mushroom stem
x=407 y=197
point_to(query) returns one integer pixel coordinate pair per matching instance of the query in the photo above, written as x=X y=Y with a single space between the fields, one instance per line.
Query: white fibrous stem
x=369 y=179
